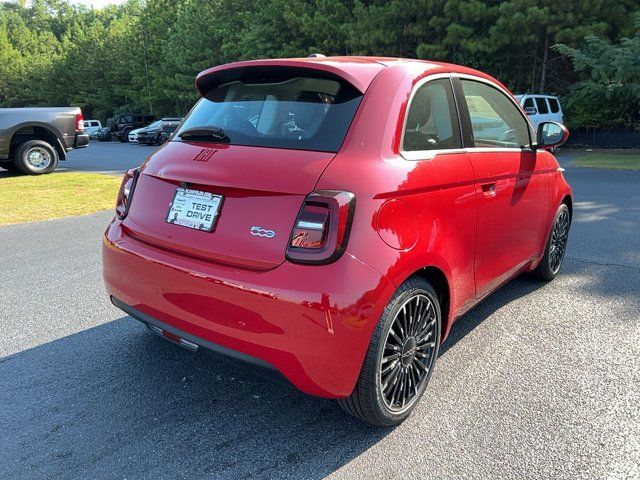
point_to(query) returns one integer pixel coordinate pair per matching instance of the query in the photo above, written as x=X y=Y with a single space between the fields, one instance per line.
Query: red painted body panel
x=479 y=217
x=259 y=186
x=512 y=198
x=309 y=326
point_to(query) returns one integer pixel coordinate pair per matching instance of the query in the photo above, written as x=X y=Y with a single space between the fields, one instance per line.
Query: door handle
x=489 y=189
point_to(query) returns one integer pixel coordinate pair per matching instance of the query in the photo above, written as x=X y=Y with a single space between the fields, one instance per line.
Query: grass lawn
x=60 y=194
x=611 y=160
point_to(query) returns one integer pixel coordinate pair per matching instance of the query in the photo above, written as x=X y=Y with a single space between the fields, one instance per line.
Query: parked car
x=158 y=131
x=33 y=140
x=91 y=127
x=328 y=219
x=123 y=124
x=133 y=135
x=104 y=134
x=541 y=108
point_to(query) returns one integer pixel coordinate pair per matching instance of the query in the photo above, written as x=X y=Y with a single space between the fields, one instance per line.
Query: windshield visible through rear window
x=300 y=112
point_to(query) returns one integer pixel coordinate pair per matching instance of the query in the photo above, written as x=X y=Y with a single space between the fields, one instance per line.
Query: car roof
x=522 y=95
x=357 y=70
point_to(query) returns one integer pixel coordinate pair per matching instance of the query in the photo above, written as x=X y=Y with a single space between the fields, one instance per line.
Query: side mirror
x=530 y=110
x=551 y=135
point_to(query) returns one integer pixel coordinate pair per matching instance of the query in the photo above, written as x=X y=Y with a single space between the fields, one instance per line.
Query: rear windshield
x=301 y=112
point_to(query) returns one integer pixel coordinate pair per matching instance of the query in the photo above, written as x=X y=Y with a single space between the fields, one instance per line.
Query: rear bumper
x=312 y=324
x=198 y=344
x=81 y=141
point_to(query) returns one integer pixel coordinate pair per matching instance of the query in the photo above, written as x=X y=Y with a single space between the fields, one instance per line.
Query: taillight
x=322 y=227
x=79 y=122
x=125 y=194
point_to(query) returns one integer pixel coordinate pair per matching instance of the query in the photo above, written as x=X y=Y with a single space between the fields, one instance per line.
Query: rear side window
x=432 y=122
x=528 y=103
x=495 y=121
x=298 y=112
x=541 y=104
x=554 y=105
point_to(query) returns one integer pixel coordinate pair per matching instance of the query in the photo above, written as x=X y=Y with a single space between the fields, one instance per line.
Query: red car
x=328 y=219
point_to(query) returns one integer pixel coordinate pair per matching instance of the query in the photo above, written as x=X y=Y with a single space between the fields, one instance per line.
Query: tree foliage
x=609 y=92
x=143 y=55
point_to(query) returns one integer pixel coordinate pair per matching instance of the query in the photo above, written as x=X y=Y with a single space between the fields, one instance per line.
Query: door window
x=554 y=105
x=528 y=103
x=432 y=121
x=541 y=103
x=495 y=121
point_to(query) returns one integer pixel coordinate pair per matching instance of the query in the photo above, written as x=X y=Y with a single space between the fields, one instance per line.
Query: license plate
x=194 y=209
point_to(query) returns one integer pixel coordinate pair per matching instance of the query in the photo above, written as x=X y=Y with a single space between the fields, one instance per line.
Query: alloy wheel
x=408 y=354
x=558 y=245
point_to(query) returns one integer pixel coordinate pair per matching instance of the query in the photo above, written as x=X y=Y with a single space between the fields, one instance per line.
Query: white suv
x=541 y=108
x=91 y=127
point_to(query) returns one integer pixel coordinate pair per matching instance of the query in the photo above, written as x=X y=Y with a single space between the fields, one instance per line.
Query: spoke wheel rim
x=409 y=351
x=558 y=244
x=38 y=158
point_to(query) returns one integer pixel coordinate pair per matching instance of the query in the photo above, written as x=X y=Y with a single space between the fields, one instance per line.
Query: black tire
x=556 y=246
x=125 y=135
x=29 y=153
x=368 y=401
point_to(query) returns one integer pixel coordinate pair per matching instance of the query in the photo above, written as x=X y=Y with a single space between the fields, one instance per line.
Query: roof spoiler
x=257 y=71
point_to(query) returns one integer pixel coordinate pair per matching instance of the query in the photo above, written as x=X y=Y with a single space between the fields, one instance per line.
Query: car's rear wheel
x=35 y=157
x=556 y=246
x=400 y=358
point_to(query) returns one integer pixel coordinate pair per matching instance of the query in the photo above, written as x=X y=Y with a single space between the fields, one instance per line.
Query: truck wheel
x=35 y=157
x=125 y=136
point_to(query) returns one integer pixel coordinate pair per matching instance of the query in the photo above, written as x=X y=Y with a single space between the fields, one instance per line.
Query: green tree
x=609 y=93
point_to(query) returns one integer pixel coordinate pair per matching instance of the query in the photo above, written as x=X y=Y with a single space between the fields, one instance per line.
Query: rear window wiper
x=205 y=132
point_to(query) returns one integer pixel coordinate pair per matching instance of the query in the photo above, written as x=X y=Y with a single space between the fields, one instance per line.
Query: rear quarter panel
x=439 y=192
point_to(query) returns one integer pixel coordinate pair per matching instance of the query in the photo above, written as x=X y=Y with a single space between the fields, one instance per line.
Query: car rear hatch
x=258 y=189
x=260 y=139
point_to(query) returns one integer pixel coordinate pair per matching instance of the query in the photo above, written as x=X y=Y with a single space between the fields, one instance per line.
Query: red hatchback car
x=328 y=219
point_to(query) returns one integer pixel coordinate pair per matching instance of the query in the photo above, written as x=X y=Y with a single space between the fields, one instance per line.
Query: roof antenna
x=316 y=55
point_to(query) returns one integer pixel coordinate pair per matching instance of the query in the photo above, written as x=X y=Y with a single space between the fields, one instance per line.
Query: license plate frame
x=194 y=209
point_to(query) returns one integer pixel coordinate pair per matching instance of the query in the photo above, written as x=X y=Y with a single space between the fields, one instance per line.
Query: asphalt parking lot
x=538 y=381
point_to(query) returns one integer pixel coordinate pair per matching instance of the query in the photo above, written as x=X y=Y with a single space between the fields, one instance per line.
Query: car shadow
x=515 y=289
x=7 y=174
x=120 y=402
x=117 y=401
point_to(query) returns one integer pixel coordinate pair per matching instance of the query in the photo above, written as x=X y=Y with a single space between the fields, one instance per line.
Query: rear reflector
x=172 y=337
x=322 y=227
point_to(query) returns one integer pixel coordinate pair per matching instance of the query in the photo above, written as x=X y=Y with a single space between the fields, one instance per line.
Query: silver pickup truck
x=33 y=140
